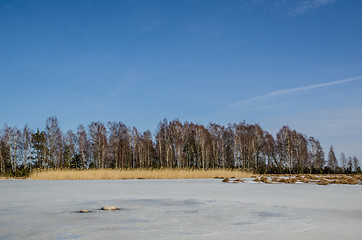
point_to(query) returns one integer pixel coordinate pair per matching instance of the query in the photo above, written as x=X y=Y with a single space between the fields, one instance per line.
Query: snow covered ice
x=178 y=209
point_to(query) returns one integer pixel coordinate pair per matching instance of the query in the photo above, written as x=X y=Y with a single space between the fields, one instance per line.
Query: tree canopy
x=173 y=145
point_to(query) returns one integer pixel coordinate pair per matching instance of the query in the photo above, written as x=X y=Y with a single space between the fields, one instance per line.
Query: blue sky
x=269 y=62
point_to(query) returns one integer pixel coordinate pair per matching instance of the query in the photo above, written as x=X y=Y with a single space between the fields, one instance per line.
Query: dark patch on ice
x=137 y=220
x=82 y=212
x=65 y=236
x=168 y=202
x=191 y=202
x=270 y=214
x=3 y=224
x=243 y=223
x=191 y=211
x=4 y=210
x=7 y=236
x=97 y=210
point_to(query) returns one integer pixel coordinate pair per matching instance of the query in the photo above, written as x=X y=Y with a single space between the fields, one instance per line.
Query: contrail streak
x=292 y=90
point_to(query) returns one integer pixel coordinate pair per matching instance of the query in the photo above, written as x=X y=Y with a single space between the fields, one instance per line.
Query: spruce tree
x=39 y=145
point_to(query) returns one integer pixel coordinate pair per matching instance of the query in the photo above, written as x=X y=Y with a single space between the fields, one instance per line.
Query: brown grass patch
x=319 y=179
x=232 y=180
x=323 y=182
x=226 y=180
x=305 y=180
x=290 y=180
x=7 y=178
x=95 y=174
x=238 y=180
x=275 y=179
x=257 y=180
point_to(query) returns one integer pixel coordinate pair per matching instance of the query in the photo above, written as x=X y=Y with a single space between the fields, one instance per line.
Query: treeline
x=174 y=145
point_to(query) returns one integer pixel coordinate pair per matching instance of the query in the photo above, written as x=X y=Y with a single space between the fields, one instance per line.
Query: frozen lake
x=178 y=209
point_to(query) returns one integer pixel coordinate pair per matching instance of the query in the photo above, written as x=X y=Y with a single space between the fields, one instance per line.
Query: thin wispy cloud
x=309 y=4
x=287 y=91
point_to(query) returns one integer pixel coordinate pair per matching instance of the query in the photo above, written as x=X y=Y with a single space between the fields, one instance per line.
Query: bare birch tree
x=332 y=162
x=54 y=143
x=98 y=141
x=356 y=165
x=82 y=145
x=26 y=146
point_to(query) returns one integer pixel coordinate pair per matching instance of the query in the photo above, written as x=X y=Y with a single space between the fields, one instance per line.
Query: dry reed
x=94 y=174
x=308 y=178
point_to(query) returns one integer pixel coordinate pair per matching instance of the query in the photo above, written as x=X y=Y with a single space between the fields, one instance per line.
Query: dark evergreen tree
x=38 y=140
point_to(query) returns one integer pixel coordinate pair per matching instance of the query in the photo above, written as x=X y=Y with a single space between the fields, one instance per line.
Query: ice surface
x=178 y=209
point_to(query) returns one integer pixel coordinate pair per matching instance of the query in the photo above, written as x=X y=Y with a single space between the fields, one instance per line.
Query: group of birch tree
x=174 y=145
